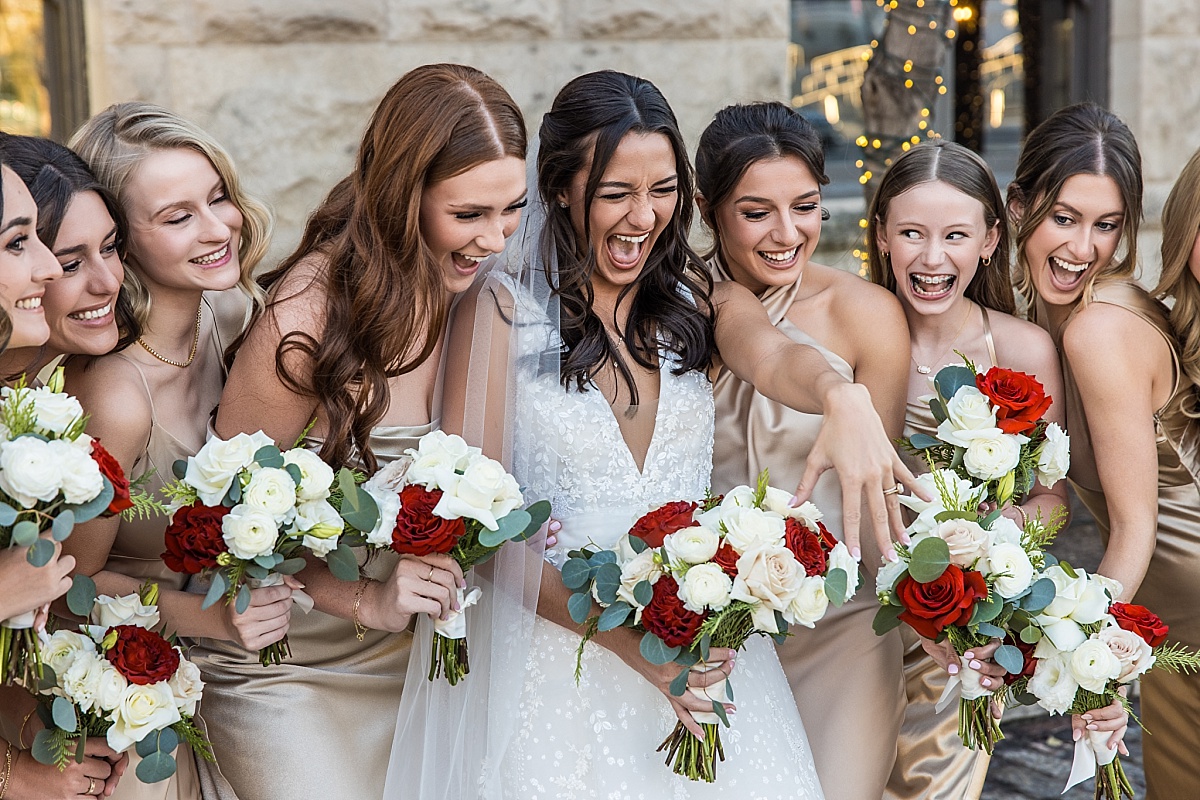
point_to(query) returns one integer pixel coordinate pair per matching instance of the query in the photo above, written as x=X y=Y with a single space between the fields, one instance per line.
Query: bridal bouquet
x=991 y=431
x=445 y=496
x=120 y=679
x=246 y=512
x=692 y=576
x=52 y=476
x=968 y=578
x=1078 y=652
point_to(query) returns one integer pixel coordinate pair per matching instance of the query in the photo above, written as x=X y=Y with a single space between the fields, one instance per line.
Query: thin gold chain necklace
x=924 y=369
x=191 y=356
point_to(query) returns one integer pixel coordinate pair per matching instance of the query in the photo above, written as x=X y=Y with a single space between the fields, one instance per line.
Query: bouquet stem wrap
x=448 y=654
x=18 y=643
x=977 y=728
x=1091 y=751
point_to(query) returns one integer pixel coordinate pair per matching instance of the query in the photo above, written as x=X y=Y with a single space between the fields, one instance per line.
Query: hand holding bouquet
x=445 y=496
x=246 y=513
x=120 y=679
x=690 y=577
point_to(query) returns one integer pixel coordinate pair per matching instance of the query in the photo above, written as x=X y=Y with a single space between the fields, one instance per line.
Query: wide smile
x=466 y=264
x=217 y=258
x=625 y=249
x=779 y=259
x=1067 y=275
x=97 y=315
x=930 y=286
x=33 y=304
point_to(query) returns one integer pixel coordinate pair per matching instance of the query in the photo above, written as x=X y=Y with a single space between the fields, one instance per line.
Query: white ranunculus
x=989 y=458
x=779 y=501
x=885 y=579
x=437 y=458
x=484 y=492
x=969 y=416
x=62 y=647
x=81 y=681
x=212 y=470
x=1131 y=651
x=1053 y=685
x=693 y=545
x=748 y=529
x=1054 y=456
x=29 y=471
x=142 y=711
x=110 y=687
x=319 y=520
x=705 y=586
x=272 y=491
x=186 y=685
x=969 y=683
x=810 y=603
x=248 y=532
x=961 y=493
x=81 y=478
x=388 y=502
x=967 y=541
x=642 y=567
x=316 y=477
x=1079 y=598
x=1012 y=563
x=108 y=612
x=1005 y=531
x=55 y=411
x=768 y=578
x=840 y=558
x=1093 y=665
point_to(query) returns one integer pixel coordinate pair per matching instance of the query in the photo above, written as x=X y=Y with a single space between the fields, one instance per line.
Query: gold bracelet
x=360 y=630
x=8 y=762
x=1024 y=517
x=24 y=722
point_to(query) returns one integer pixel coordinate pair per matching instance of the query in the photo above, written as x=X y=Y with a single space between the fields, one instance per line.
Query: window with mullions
x=43 y=82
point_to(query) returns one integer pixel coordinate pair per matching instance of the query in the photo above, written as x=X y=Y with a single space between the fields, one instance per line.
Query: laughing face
x=935 y=236
x=184 y=230
x=771 y=224
x=79 y=305
x=1078 y=238
x=26 y=265
x=636 y=198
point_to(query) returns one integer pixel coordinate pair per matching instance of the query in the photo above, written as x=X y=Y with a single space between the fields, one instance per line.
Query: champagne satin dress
x=846 y=680
x=1171 y=588
x=931 y=761
x=320 y=724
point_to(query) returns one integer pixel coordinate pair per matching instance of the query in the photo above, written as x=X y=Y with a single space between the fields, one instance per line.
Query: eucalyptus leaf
x=258 y=572
x=155 y=767
x=923 y=441
x=1024 y=698
x=24 y=533
x=729 y=690
x=266 y=561
x=643 y=593
x=928 y=560
x=342 y=562
x=614 y=616
x=680 y=682
x=510 y=526
x=603 y=557
x=1031 y=634
x=216 y=589
x=234 y=495
x=719 y=710
x=579 y=606
x=64 y=714
x=1041 y=594
x=835 y=587
x=179 y=468
x=986 y=610
x=43 y=750
x=655 y=650
x=295 y=472
x=576 y=572
x=988 y=629
x=886 y=618
x=637 y=544
x=81 y=596
x=168 y=740
x=290 y=566
x=950 y=379
x=359 y=509
x=40 y=552
x=269 y=456
x=939 y=410
x=85 y=512
x=538 y=513
x=63 y=524
x=986 y=522
x=242 y=601
x=687 y=658
x=608 y=581
x=147 y=746
x=705 y=643
x=1010 y=658
x=8 y=514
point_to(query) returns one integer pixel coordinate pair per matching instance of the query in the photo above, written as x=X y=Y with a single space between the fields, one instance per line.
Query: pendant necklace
x=925 y=369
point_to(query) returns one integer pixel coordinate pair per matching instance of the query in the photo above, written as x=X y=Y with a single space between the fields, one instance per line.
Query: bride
x=598 y=396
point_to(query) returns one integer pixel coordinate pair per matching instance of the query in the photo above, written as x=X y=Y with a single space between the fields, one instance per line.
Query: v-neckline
x=612 y=417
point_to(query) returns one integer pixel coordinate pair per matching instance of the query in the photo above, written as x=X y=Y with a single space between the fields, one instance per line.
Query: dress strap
x=987 y=336
x=149 y=397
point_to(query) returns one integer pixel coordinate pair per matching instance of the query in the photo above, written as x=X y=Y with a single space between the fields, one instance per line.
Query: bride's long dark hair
x=586 y=123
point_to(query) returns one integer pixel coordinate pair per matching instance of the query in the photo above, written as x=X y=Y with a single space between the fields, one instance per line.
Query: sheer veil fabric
x=451 y=741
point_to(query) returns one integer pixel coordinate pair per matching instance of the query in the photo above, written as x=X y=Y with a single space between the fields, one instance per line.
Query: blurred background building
x=287 y=85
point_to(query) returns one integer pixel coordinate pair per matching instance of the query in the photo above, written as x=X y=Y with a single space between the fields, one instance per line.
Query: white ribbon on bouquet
x=299 y=596
x=957 y=688
x=455 y=625
x=714 y=691
x=1090 y=750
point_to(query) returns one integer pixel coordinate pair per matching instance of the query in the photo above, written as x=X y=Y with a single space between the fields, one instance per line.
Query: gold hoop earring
x=986 y=261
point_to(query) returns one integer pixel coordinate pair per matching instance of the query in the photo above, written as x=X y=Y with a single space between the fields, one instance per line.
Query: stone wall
x=288 y=85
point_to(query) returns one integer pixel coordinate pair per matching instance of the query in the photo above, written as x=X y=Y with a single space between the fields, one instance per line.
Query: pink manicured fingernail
x=1088 y=717
x=975 y=665
x=795 y=501
x=952 y=669
x=1077 y=735
x=1093 y=727
x=462 y=584
x=854 y=551
x=969 y=654
x=891 y=555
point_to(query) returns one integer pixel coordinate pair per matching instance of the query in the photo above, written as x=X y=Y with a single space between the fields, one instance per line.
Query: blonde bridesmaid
x=939 y=241
x=760 y=169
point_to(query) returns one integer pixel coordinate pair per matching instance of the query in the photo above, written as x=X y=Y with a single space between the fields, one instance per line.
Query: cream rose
x=211 y=471
x=1054 y=456
x=1078 y=598
x=81 y=478
x=1093 y=665
x=388 y=503
x=186 y=685
x=779 y=501
x=29 y=471
x=55 y=411
x=967 y=541
x=60 y=650
x=642 y=567
x=108 y=612
x=705 y=586
x=437 y=458
x=316 y=477
x=885 y=579
x=248 y=532
x=143 y=710
x=110 y=687
x=969 y=416
x=768 y=578
x=1132 y=652
x=693 y=545
x=840 y=558
x=992 y=457
x=810 y=603
x=748 y=529
x=1012 y=563
x=392 y=477
x=484 y=492
x=1053 y=685
x=1005 y=531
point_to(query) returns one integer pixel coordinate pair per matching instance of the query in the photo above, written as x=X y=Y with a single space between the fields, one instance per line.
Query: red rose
x=663 y=521
x=111 y=469
x=828 y=540
x=666 y=617
x=726 y=558
x=806 y=547
x=1142 y=621
x=1019 y=399
x=418 y=532
x=193 y=538
x=930 y=607
x=1030 y=663
x=142 y=656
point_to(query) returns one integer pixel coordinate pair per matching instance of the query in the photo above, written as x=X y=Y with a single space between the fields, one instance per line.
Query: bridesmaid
x=759 y=171
x=1075 y=200
x=191 y=230
x=938 y=240
x=1171 y=703
x=352 y=337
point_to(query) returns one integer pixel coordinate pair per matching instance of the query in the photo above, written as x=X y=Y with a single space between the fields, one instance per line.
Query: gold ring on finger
x=894 y=490
x=91 y=786
x=429 y=577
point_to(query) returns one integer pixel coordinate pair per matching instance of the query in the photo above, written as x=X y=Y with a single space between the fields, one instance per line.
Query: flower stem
x=977 y=728
x=448 y=657
x=692 y=758
x=275 y=653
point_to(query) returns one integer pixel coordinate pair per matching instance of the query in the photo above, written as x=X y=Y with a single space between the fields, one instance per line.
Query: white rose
x=779 y=501
x=969 y=679
x=108 y=612
x=211 y=471
x=110 y=687
x=143 y=710
x=248 y=532
x=81 y=478
x=437 y=458
x=810 y=603
x=55 y=411
x=840 y=558
x=316 y=477
x=1130 y=650
x=960 y=492
x=1005 y=531
x=1053 y=685
x=748 y=529
x=1012 y=563
x=885 y=579
x=272 y=491
x=693 y=545
x=1054 y=456
x=968 y=542
x=642 y=567
x=989 y=458
x=705 y=586
x=1111 y=585
x=29 y=471
x=738 y=497
x=768 y=578
x=484 y=492
x=388 y=503
x=1079 y=598
x=61 y=649
x=969 y=415
x=1061 y=634
x=186 y=685
x=81 y=682
x=1093 y=665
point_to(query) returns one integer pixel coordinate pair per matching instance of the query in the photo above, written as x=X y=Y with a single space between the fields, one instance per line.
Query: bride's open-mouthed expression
x=771 y=224
x=935 y=237
x=467 y=217
x=26 y=265
x=80 y=305
x=637 y=196
x=184 y=229
x=1078 y=238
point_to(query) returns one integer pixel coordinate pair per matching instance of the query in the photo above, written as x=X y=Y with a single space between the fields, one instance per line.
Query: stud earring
x=561 y=204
